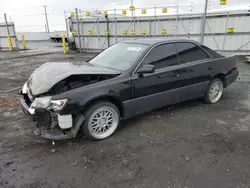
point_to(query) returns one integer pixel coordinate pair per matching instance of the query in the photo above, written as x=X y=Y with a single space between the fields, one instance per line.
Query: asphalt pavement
x=188 y=145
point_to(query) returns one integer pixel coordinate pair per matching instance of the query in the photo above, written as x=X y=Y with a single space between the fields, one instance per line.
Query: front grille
x=43 y=118
x=46 y=119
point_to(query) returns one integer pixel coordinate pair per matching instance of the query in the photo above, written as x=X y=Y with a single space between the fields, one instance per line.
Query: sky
x=28 y=15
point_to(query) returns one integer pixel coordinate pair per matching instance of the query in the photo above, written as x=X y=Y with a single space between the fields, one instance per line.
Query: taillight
x=237 y=65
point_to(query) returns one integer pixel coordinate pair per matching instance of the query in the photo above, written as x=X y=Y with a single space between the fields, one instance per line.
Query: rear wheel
x=102 y=119
x=214 y=91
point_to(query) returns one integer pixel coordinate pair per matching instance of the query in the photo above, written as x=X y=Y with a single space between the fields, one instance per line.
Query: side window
x=162 y=56
x=189 y=52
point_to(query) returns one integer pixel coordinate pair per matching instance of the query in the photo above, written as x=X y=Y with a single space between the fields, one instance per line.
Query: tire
x=214 y=91
x=99 y=128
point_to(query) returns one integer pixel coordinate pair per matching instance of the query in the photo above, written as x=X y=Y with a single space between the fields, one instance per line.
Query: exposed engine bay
x=55 y=78
x=76 y=81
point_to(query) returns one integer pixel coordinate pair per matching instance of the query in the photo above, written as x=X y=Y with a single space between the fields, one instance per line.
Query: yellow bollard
x=10 y=43
x=23 y=42
x=64 y=44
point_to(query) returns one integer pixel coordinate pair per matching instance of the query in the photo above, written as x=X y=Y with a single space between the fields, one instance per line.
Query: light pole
x=78 y=31
x=132 y=4
x=203 y=23
x=47 y=23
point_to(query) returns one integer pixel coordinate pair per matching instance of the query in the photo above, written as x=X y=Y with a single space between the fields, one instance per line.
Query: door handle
x=209 y=68
x=168 y=74
x=177 y=73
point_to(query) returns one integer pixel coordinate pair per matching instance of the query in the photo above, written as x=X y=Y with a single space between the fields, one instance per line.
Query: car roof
x=155 y=41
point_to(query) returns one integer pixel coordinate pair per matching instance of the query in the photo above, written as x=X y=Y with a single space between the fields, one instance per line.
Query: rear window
x=213 y=53
x=189 y=52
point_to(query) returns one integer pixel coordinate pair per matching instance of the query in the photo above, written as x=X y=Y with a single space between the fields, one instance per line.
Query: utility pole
x=45 y=12
x=133 y=15
x=203 y=23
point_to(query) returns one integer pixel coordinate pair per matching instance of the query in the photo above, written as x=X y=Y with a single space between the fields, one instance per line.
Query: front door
x=153 y=90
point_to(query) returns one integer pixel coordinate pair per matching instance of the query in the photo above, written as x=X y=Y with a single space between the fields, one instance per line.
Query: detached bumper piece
x=47 y=125
x=53 y=134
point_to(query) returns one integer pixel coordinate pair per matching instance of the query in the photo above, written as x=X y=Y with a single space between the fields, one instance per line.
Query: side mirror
x=147 y=69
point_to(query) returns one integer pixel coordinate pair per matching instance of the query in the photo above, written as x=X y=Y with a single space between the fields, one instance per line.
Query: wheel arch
x=222 y=77
x=108 y=98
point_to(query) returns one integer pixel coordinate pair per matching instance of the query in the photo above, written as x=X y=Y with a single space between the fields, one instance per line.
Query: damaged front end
x=49 y=123
x=39 y=96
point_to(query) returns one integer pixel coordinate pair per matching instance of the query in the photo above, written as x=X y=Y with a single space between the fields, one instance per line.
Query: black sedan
x=125 y=80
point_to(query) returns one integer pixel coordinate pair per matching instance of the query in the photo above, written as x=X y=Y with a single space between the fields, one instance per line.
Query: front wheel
x=214 y=91
x=102 y=119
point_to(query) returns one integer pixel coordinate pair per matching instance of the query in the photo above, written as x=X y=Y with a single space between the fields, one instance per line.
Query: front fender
x=81 y=97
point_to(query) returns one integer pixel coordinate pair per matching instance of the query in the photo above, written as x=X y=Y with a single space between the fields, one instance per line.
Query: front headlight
x=57 y=104
x=42 y=102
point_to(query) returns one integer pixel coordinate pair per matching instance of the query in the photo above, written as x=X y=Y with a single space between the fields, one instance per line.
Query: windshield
x=119 y=56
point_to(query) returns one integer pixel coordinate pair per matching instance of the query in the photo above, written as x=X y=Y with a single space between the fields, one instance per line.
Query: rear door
x=196 y=70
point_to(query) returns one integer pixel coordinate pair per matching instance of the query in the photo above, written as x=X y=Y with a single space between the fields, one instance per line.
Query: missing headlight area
x=76 y=81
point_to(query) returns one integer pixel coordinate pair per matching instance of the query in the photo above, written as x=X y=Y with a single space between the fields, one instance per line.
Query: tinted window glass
x=189 y=52
x=120 y=56
x=213 y=53
x=162 y=56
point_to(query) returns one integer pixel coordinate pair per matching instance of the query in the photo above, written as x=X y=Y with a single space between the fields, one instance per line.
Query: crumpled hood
x=48 y=74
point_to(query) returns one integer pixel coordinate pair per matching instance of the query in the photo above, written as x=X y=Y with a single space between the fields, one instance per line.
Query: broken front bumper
x=47 y=122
